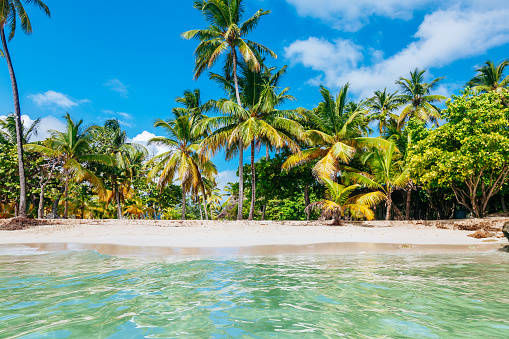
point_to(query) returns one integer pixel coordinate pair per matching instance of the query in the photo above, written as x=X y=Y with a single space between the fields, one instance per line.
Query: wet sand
x=128 y=237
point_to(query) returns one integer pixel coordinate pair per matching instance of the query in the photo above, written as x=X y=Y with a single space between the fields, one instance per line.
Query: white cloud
x=350 y=15
x=47 y=123
x=153 y=150
x=442 y=38
x=117 y=86
x=52 y=98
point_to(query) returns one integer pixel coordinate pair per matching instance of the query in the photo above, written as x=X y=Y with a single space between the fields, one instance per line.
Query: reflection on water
x=83 y=294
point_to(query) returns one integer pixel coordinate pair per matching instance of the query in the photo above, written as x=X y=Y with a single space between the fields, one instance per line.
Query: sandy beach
x=258 y=237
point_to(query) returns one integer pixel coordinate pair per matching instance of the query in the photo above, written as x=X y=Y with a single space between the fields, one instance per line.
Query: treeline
x=426 y=163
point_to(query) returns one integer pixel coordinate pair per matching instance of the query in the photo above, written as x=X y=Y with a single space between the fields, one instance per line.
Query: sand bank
x=259 y=237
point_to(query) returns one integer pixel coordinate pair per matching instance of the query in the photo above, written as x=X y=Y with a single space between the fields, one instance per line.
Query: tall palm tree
x=337 y=130
x=491 y=77
x=125 y=156
x=387 y=173
x=262 y=123
x=381 y=106
x=72 y=148
x=340 y=202
x=10 y=10
x=227 y=33
x=184 y=159
x=417 y=94
x=8 y=130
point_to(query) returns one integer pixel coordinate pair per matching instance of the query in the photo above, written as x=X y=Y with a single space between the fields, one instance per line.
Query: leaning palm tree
x=382 y=105
x=387 y=173
x=491 y=78
x=72 y=149
x=184 y=159
x=337 y=130
x=227 y=34
x=417 y=94
x=341 y=202
x=10 y=10
x=8 y=130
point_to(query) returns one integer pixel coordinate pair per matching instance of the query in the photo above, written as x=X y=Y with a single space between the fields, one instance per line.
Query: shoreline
x=149 y=237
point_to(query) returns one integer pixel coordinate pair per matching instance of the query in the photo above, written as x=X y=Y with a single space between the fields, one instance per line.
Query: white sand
x=201 y=234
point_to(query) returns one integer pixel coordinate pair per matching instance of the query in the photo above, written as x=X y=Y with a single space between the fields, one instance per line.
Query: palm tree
x=9 y=11
x=337 y=129
x=8 y=130
x=341 y=202
x=387 y=173
x=125 y=155
x=184 y=159
x=260 y=122
x=381 y=106
x=490 y=78
x=72 y=148
x=192 y=104
x=227 y=34
x=419 y=98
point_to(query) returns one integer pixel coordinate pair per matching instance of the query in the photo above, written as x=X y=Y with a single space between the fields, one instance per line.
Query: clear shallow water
x=83 y=294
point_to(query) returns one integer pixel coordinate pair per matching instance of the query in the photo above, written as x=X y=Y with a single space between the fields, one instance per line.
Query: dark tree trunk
x=502 y=202
x=19 y=130
x=264 y=209
x=307 y=201
x=253 y=182
x=241 y=146
x=183 y=217
x=409 y=199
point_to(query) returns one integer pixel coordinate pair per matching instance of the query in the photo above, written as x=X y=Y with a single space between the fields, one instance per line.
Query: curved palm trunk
x=241 y=145
x=183 y=217
x=253 y=182
x=19 y=140
x=307 y=202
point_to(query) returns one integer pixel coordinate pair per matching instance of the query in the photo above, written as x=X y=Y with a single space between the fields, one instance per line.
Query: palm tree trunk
x=56 y=202
x=409 y=200
x=183 y=217
x=307 y=201
x=389 y=203
x=253 y=181
x=19 y=131
x=267 y=153
x=502 y=202
x=199 y=208
x=241 y=146
x=264 y=209
x=119 y=204
x=66 y=196
x=205 y=206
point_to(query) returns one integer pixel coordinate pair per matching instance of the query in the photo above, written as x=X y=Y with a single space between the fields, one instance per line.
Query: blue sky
x=100 y=59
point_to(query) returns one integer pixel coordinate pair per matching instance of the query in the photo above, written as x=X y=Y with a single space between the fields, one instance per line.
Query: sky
x=101 y=59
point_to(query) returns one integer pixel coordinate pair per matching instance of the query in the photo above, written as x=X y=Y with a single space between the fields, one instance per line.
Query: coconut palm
x=226 y=34
x=417 y=94
x=191 y=100
x=8 y=130
x=260 y=121
x=126 y=156
x=341 y=202
x=73 y=149
x=490 y=77
x=184 y=159
x=387 y=173
x=10 y=11
x=382 y=105
x=337 y=129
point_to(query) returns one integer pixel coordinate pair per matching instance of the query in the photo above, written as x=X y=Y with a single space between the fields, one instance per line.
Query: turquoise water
x=83 y=294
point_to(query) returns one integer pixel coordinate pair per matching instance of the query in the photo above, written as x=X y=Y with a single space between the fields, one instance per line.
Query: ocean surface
x=84 y=294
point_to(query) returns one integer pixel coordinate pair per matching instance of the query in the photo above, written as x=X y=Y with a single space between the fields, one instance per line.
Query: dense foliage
x=320 y=162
